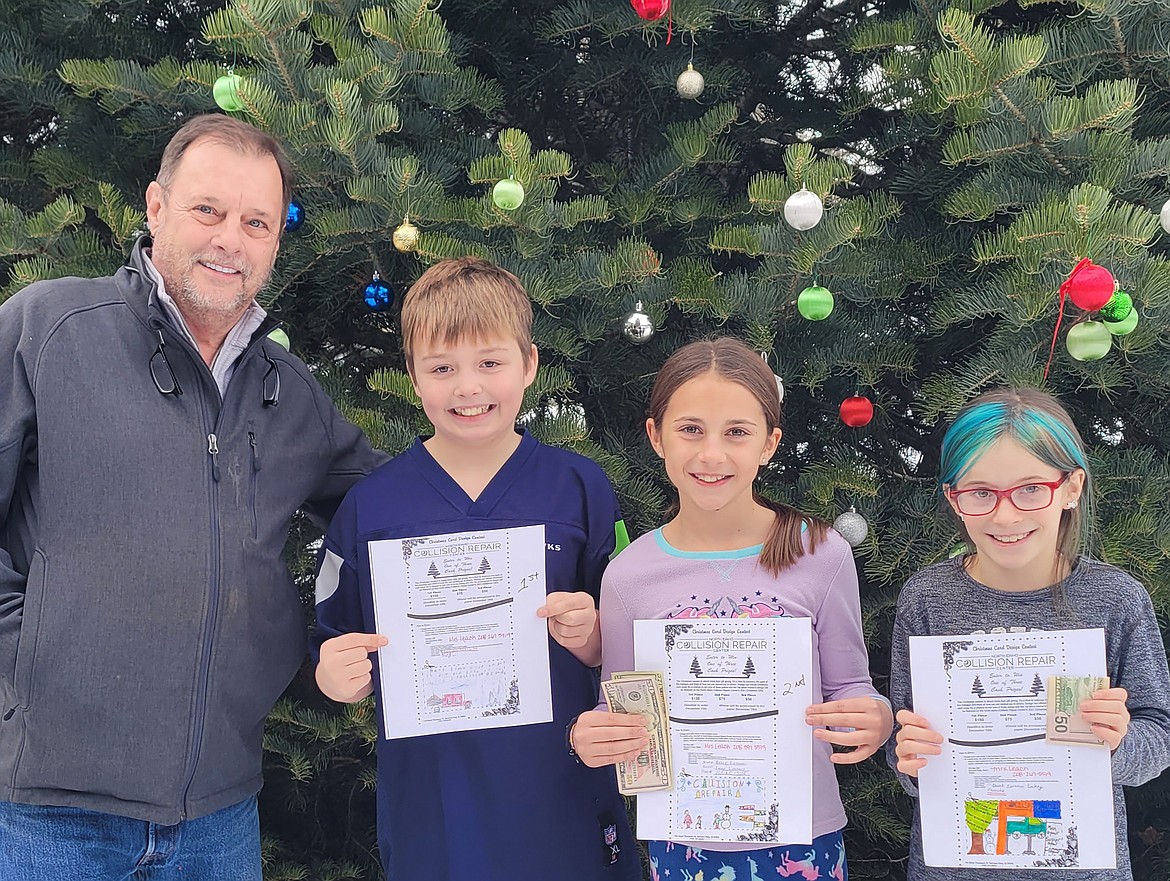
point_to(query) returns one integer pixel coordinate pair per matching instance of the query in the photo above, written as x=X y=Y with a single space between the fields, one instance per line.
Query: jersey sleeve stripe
x=621 y=538
x=328 y=576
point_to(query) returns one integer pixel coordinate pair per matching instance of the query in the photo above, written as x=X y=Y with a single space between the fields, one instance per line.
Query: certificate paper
x=736 y=692
x=1000 y=795
x=467 y=650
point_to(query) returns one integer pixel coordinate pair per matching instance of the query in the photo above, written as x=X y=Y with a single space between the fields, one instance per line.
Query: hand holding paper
x=345 y=670
x=915 y=741
x=869 y=718
x=572 y=617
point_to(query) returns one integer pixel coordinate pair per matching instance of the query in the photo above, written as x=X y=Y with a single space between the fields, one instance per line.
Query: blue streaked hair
x=1038 y=423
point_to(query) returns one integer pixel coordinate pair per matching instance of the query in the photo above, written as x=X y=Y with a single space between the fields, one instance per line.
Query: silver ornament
x=638 y=327
x=1164 y=216
x=852 y=527
x=803 y=209
x=690 y=83
x=779 y=381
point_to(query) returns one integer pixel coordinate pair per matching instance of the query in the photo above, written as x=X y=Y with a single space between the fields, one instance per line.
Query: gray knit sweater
x=944 y=599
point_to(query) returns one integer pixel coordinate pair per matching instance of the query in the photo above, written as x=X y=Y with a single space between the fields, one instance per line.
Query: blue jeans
x=41 y=843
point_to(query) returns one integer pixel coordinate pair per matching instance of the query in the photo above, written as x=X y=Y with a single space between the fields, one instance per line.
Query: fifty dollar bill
x=1065 y=693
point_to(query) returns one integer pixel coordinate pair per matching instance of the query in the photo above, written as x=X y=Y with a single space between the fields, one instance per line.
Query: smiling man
x=154 y=446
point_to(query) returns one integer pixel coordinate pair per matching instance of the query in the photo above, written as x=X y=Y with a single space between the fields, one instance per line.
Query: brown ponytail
x=785 y=542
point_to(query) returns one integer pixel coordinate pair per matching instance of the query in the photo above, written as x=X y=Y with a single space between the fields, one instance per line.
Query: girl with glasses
x=1014 y=473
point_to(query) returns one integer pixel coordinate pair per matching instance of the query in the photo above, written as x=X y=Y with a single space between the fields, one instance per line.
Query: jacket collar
x=138 y=288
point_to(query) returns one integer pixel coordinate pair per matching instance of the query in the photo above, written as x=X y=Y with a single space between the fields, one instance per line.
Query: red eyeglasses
x=1034 y=496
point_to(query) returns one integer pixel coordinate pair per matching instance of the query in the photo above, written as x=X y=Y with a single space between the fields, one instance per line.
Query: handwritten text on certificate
x=736 y=692
x=1000 y=795
x=467 y=650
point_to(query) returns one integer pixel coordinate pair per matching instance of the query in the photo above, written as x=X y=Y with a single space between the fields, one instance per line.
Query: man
x=154 y=444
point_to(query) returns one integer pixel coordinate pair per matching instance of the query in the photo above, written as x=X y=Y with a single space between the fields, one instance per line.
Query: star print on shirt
x=728 y=607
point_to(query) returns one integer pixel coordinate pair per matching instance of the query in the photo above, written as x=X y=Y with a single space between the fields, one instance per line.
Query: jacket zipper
x=209 y=625
x=195 y=736
x=213 y=451
x=255 y=480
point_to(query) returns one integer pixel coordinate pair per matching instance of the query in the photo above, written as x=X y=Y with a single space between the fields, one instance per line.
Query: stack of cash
x=643 y=694
x=1065 y=694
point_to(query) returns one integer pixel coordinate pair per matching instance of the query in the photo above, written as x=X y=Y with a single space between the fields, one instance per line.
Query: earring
x=1068 y=506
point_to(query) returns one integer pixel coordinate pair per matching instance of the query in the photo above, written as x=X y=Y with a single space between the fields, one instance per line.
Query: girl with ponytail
x=714 y=419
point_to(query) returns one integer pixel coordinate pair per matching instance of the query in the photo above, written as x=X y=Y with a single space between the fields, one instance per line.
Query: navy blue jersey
x=507 y=803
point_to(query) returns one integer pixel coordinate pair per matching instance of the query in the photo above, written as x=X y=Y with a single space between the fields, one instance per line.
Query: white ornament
x=638 y=327
x=690 y=83
x=779 y=381
x=852 y=527
x=1164 y=216
x=803 y=209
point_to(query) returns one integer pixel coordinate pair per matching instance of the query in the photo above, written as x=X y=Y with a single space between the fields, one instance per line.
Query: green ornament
x=815 y=302
x=508 y=194
x=1125 y=325
x=1089 y=341
x=226 y=92
x=1118 y=307
x=279 y=337
x=957 y=551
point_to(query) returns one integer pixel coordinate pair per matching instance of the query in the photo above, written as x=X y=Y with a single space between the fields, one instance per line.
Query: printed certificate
x=1001 y=795
x=736 y=692
x=467 y=650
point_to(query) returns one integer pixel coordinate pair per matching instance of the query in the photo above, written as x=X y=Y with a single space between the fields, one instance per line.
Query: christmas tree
x=968 y=155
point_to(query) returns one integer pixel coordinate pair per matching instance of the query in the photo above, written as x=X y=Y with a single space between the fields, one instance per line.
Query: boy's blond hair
x=465 y=298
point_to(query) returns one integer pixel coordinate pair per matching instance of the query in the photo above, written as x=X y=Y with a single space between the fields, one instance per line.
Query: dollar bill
x=1065 y=693
x=659 y=679
x=643 y=694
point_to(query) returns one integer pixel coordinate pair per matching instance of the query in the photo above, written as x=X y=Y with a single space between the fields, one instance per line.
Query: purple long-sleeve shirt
x=651 y=579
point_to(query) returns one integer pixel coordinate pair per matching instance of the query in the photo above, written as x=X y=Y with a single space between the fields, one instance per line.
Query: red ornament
x=651 y=10
x=1089 y=286
x=856 y=411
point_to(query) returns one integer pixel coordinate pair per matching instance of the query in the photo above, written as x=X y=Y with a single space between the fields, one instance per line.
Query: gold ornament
x=406 y=236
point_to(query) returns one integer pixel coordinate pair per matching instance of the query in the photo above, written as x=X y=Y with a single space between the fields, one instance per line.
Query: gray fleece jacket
x=944 y=599
x=147 y=621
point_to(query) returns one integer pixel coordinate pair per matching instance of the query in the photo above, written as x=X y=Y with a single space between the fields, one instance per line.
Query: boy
x=505 y=804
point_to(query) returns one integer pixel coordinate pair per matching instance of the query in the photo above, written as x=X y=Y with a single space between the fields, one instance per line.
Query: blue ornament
x=378 y=294
x=295 y=218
